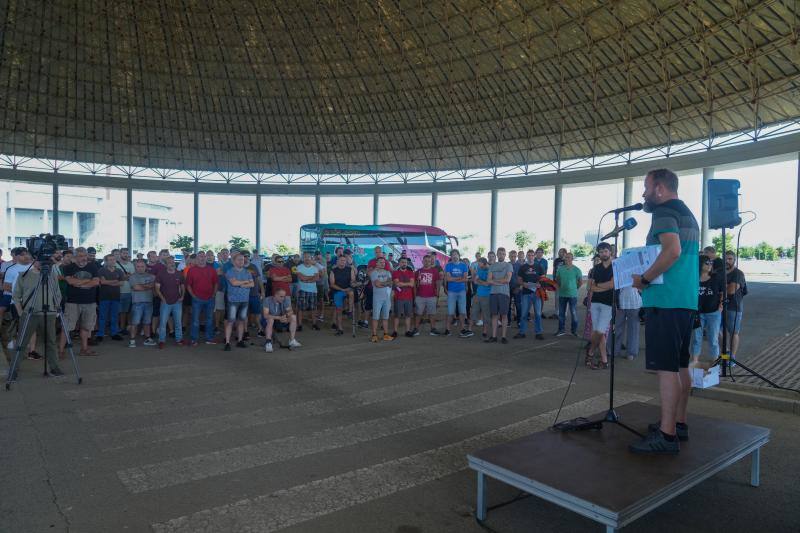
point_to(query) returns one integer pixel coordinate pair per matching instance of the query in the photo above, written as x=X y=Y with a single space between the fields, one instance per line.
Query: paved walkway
x=340 y=436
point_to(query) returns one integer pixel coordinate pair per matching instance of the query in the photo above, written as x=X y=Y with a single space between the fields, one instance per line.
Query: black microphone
x=629 y=223
x=634 y=207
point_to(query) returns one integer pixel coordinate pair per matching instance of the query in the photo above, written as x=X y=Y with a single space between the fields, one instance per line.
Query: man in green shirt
x=569 y=279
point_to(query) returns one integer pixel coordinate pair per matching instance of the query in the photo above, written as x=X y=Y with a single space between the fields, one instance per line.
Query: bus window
x=439 y=242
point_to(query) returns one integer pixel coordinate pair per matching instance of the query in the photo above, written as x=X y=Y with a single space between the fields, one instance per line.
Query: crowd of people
x=228 y=296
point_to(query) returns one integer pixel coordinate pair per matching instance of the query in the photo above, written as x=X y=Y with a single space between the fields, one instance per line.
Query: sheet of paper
x=635 y=261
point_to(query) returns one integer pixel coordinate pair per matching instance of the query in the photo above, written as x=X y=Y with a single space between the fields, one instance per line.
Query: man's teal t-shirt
x=567 y=279
x=681 y=281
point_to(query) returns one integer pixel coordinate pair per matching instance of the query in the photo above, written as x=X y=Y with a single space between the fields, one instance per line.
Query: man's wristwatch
x=644 y=281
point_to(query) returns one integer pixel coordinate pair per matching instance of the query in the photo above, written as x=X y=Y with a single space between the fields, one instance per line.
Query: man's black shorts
x=668 y=335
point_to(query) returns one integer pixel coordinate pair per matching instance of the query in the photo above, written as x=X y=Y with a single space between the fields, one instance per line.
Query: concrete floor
x=341 y=436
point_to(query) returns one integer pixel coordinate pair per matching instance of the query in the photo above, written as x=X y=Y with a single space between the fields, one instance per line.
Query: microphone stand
x=611 y=416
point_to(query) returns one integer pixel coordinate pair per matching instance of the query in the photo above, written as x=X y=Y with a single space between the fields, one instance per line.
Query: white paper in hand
x=635 y=261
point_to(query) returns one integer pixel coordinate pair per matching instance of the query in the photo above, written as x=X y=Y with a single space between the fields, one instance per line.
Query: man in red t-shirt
x=280 y=276
x=428 y=280
x=403 y=281
x=201 y=282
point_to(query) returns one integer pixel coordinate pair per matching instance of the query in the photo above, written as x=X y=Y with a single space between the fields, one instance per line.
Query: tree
x=582 y=250
x=790 y=252
x=240 y=243
x=746 y=252
x=481 y=249
x=523 y=238
x=181 y=242
x=716 y=241
x=765 y=251
x=547 y=246
x=284 y=249
x=99 y=247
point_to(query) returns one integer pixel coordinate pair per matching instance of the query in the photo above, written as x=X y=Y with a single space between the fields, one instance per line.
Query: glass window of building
x=345 y=209
x=93 y=216
x=227 y=217
x=281 y=218
x=467 y=216
x=404 y=209
x=25 y=209
x=160 y=217
x=525 y=219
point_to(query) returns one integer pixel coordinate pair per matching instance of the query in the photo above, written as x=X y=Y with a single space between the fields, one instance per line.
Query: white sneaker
x=479 y=323
x=268 y=347
x=131 y=343
x=149 y=342
x=294 y=344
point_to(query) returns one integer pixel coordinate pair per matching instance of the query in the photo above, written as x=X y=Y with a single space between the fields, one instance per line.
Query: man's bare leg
x=670 y=389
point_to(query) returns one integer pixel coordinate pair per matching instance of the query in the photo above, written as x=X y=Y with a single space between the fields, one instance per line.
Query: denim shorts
x=141 y=313
x=733 y=323
x=457 y=299
x=237 y=311
x=125 y=302
x=381 y=308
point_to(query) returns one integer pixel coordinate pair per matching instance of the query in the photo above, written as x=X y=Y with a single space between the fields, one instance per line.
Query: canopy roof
x=371 y=86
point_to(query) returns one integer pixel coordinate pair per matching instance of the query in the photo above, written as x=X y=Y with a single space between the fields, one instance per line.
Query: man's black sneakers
x=435 y=332
x=503 y=341
x=681 y=430
x=227 y=347
x=519 y=336
x=394 y=334
x=491 y=339
x=339 y=332
x=447 y=333
x=539 y=337
x=241 y=344
x=655 y=443
x=314 y=326
x=56 y=372
x=116 y=337
x=409 y=333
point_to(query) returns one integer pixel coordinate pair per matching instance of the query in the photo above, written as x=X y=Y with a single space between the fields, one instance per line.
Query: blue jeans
x=176 y=310
x=524 y=312
x=562 y=313
x=711 y=324
x=109 y=312
x=199 y=306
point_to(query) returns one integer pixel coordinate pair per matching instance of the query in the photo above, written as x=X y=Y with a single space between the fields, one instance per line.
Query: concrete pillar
x=76 y=236
x=434 y=208
x=705 y=238
x=196 y=220
x=129 y=220
x=797 y=222
x=54 y=229
x=557 y=220
x=627 y=196
x=493 y=222
x=375 y=208
x=316 y=208
x=258 y=224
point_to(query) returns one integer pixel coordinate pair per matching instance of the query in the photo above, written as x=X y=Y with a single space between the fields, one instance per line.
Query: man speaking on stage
x=669 y=308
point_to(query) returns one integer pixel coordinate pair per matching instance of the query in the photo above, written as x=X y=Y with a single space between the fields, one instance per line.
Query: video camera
x=45 y=245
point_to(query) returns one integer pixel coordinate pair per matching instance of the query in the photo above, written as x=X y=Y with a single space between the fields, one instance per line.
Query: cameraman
x=43 y=326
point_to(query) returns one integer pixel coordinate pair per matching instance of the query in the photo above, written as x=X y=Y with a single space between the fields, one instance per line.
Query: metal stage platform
x=593 y=473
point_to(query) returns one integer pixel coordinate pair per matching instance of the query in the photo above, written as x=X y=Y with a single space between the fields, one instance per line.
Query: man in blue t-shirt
x=480 y=302
x=669 y=308
x=455 y=274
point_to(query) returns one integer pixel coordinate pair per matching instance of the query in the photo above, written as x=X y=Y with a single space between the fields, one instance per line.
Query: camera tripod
x=44 y=284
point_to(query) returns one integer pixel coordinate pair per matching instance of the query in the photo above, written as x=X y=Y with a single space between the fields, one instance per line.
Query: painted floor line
x=150 y=386
x=131 y=438
x=299 y=504
x=216 y=397
x=202 y=466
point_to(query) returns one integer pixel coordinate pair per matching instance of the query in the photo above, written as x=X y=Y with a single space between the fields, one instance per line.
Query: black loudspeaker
x=723 y=204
